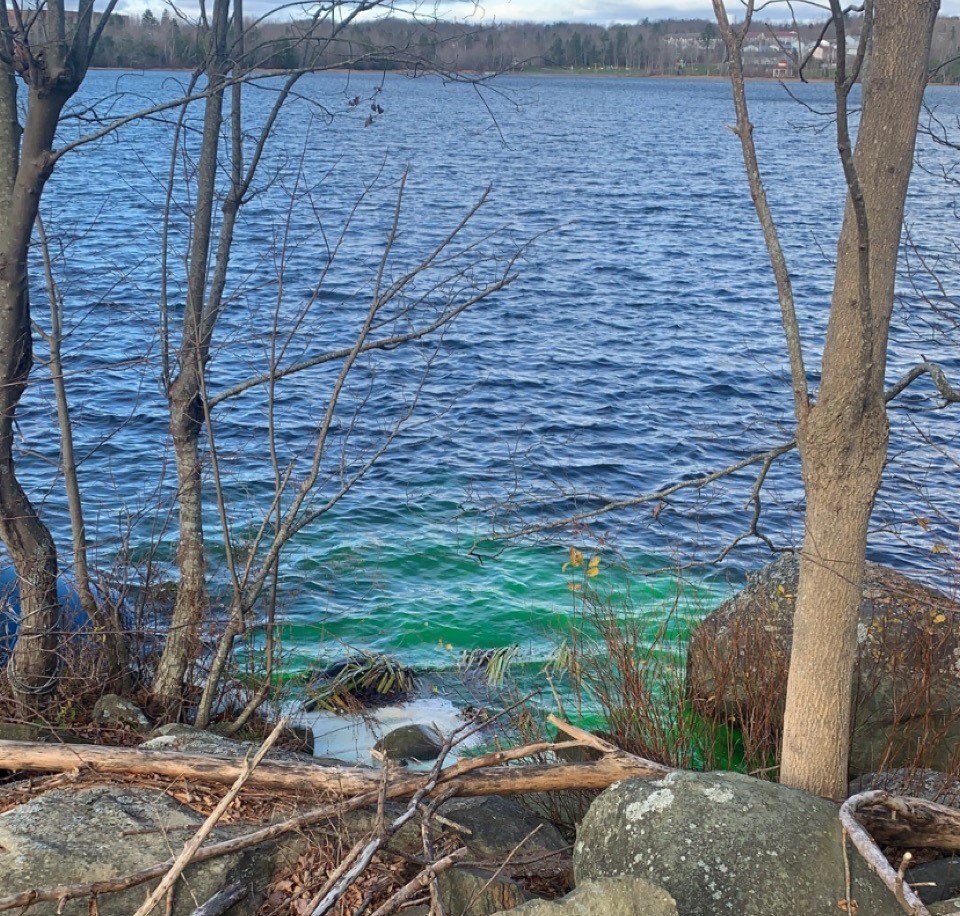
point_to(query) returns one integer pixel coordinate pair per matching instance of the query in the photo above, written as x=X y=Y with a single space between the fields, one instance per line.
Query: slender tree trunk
x=843 y=438
x=182 y=644
x=105 y=617
x=186 y=410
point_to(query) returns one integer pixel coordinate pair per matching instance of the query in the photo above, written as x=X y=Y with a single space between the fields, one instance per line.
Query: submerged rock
x=723 y=843
x=411 y=742
x=907 y=692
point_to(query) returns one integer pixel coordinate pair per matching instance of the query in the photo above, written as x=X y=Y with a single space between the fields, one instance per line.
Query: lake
x=640 y=345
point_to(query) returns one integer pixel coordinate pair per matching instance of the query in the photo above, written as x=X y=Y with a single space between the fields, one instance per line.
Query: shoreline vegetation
x=669 y=47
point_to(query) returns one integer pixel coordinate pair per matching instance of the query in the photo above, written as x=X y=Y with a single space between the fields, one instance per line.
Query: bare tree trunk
x=843 y=437
x=33 y=664
x=186 y=411
x=105 y=617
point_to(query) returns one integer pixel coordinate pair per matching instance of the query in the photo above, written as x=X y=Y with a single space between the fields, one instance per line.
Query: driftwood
x=220 y=902
x=869 y=850
x=909 y=822
x=412 y=888
x=305 y=778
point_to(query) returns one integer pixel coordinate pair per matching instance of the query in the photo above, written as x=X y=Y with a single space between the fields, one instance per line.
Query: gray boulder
x=606 y=897
x=946 y=908
x=907 y=699
x=478 y=891
x=111 y=709
x=725 y=843
x=189 y=740
x=497 y=827
x=411 y=742
x=104 y=832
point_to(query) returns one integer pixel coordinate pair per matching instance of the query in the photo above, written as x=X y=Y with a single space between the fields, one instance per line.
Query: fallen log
x=307 y=778
x=850 y=818
x=909 y=822
x=220 y=902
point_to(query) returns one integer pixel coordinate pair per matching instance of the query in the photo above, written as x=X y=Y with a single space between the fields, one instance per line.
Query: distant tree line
x=649 y=47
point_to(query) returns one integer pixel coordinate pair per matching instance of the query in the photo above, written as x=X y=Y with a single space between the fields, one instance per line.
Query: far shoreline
x=547 y=72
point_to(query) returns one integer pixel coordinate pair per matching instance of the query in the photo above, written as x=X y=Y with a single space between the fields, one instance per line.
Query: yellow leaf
x=574 y=586
x=449 y=647
x=576 y=558
x=594 y=562
x=593 y=571
x=924 y=523
x=939 y=548
x=940 y=618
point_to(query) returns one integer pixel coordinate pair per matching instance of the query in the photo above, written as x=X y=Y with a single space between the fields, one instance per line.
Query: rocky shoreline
x=684 y=844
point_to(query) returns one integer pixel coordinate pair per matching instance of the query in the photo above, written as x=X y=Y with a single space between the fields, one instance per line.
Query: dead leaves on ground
x=293 y=890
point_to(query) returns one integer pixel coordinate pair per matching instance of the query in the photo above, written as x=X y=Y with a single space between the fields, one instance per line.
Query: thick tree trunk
x=33 y=665
x=843 y=438
x=842 y=468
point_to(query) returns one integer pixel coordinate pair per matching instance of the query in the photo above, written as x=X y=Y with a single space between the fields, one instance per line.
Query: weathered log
x=866 y=845
x=221 y=901
x=910 y=822
x=297 y=778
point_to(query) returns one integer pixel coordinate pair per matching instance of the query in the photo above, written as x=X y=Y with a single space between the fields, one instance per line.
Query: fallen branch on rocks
x=866 y=818
x=412 y=888
x=870 y=852
x=220 y=902
x=490 y=778
x=484 y=775
x=196 y=841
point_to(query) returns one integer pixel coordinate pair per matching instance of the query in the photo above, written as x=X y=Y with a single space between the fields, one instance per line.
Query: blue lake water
x=639 y=345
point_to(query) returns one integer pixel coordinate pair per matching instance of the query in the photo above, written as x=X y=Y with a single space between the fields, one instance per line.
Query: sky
x=602 y=12
x=605 y=12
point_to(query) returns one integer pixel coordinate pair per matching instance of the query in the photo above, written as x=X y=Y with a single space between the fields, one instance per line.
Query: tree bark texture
x=843 y=437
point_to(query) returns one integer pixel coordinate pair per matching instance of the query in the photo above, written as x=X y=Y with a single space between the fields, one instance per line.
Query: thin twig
x=195 y=842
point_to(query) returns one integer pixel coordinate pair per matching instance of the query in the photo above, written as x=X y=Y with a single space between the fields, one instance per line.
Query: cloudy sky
x=603 y=12
x=607 y=11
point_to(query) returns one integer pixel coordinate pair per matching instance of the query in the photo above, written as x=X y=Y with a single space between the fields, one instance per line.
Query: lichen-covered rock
x=104 y=832
x=723 y=843
x=907 y=692
x=111 y=709
x=606 y=897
